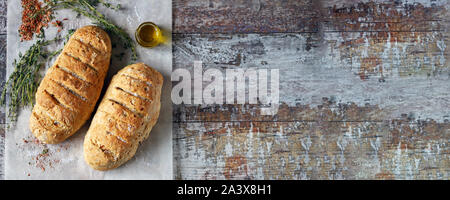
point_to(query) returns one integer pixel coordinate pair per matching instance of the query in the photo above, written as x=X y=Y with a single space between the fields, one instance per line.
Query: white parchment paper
x=26 y=158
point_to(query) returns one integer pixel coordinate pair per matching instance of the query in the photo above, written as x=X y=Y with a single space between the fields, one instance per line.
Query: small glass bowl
x=148 y=34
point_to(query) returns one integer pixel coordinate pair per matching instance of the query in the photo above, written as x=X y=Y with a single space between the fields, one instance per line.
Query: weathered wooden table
x=364 y=89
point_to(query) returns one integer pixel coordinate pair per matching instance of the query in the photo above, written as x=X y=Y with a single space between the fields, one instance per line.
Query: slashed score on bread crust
x=124 y=118
x=70 y=89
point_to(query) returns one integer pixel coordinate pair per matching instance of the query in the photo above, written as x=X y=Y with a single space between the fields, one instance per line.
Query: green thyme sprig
x=87 y=9
x=22 y=84
x=23 y=81
x=108 y=5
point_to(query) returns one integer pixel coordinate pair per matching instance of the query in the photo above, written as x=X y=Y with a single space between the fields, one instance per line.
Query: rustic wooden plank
x=396 y=149
x=3 y=13
x=243 y=16
x=327 y=111
x=368 y=77
x=264 y=16
x=363 y=96
x=2 y=111
x=392 y=17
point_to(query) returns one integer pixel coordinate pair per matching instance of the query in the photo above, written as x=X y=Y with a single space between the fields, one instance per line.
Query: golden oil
x=148 y=34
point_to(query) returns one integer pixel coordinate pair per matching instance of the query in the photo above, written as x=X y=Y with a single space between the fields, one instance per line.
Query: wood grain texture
x=397 y=149
x=334 y=142
x=243 y=16
x=364 y=91
x=2 y=110
x=3 y=12
x=313 y=68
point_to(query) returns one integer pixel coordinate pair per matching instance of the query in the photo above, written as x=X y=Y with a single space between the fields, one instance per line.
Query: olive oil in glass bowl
x=148 y=34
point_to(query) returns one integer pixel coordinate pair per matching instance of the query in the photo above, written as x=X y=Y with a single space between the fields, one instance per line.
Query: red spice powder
x=34 y=18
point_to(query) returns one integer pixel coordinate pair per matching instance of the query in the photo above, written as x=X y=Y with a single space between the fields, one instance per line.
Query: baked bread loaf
x=124 y=118
x=70 y=89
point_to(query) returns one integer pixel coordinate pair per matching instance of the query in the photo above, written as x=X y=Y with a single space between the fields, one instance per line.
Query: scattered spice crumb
x=36 y=141
x=42 y=159
x=58 y=24
x=45 y=151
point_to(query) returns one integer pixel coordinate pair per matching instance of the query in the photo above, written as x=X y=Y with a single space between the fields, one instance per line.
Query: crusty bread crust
x=70 y=89
x=124 y=118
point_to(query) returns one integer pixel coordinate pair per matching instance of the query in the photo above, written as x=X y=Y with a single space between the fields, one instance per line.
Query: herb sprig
x=83 y=7
x=87 y=9
x=23 y=81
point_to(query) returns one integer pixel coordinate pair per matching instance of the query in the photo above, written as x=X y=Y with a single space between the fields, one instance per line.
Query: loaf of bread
x=124 y=118
x=70 y=89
